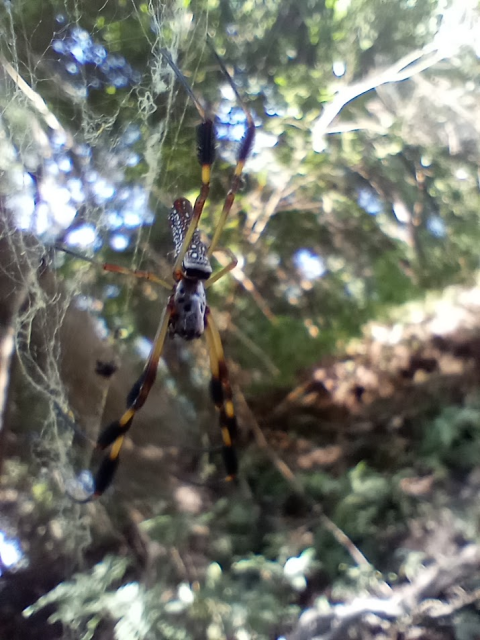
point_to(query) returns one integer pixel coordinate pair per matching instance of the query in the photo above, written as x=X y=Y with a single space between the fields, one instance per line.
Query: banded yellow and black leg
x=244 y=151
x=206 y=140
x=222 y=397
x=206 y=157
x=113 y=435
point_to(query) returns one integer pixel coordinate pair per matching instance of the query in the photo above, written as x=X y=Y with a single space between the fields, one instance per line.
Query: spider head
x=190 y=303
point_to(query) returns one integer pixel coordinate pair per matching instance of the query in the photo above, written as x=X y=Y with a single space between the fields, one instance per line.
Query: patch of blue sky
x=91 y=176
x=41 y=219
x=401 y=212
x=65 y=163
x=58 y=139
x=309 y=264
x=78 y=51
x=232 y=29
x=264 y=140
x=229 y=113
x=75 y=186
x=53 y=194
x=339 y=68
x=83 y=50
x=123 y=194
x=10 y=551
x=81 y=91
x=88 y=303
x=79 y=34
x=131 y=135
x=221 y=131
x=111 y=291
x=105 y=66
x=84 y=303
x=114 y=220
x=82 y=487
x=235 y=132
x=132 y=159
x=83 y=236
x=119 y=242
x=131 y=219
x=60 y=46
x=116 y=61
x=22 y=180
x=231 y=120
x=118 y=80
x=148 y=216
x=23 y=206
x=462 y=174
x=101 y=328
x=143 y=347
x=274 y=110
x=437 y=226
x=96 y=54
x=51 y=167
x=103 y=190
x=83 y=150
x=228 y=94
x=63 y=213
x=72 y=68
x=137 y=198
x=368 y=200
x=230 y=133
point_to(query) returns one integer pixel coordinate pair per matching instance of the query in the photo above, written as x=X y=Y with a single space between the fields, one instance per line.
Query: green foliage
x=83 y=602
x=390 y=208
x=359 y=511
x=452 y=440
x=253 y=598
x=291 y=347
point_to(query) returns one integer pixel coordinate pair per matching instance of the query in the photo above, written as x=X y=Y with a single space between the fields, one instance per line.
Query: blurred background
x=350 y=324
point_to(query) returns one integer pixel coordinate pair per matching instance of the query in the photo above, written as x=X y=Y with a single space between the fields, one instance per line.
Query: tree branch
x=408 y=66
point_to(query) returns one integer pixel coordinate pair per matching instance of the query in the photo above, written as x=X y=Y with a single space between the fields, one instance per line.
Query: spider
x=186 y=314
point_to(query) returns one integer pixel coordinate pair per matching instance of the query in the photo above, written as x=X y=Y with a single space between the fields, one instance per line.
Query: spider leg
x=113 y=435
x=224 y=270
x=245 y=148
x=222 y=395
x=206 y=157
x=136 y=273
x=115 y=268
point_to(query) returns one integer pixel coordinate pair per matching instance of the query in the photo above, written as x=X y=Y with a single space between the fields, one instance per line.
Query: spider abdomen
x=190 y=304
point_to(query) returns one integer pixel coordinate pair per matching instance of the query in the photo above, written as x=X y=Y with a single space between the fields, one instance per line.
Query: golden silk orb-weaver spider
x=186 y=314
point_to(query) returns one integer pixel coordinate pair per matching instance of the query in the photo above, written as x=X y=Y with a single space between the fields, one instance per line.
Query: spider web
x=83 y=170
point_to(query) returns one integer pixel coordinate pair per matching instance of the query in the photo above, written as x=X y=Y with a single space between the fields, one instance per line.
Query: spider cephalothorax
x=195 y=263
